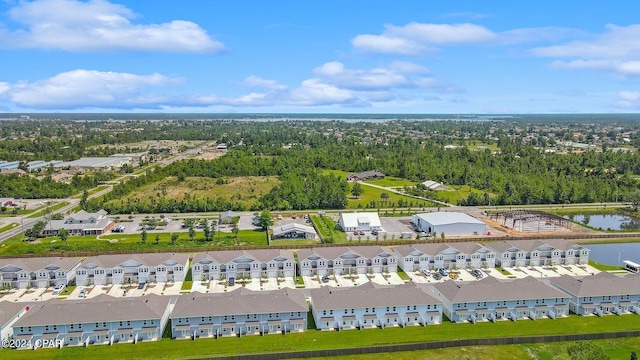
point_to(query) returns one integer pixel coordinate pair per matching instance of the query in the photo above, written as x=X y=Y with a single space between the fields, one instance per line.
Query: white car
x=83 y=293
x=426 y=272
x=58 y=289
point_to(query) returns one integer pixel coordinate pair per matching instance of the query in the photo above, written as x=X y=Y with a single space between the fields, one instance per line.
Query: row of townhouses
x=107 y=320
x=273 y=263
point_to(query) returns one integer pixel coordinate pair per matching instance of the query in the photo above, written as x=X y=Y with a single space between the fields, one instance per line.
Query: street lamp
x=619 y=253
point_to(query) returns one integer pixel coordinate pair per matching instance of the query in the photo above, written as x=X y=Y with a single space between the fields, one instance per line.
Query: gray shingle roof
x=262 y=256
x=600 y=284
x=370 y=295
x=9 y=309
x=111 y=261
x=530 y=245
x=335 y=252
x=102 y=308
x=490 y=289
x=240 y=302
x=35 y=264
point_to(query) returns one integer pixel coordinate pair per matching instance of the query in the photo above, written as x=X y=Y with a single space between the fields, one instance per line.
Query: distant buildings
x=366 y=175
x=464 y=255
x=346 y=260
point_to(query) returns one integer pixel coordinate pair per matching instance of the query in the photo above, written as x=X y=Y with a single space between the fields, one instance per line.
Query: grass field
x=457 y=193
x=129 y=242
x=8 y=227
x=615 y=349
x=373 y=194
x=182 y=349
x=391 y=182
x=327 y=228
x=245 y=190
x=603 y=267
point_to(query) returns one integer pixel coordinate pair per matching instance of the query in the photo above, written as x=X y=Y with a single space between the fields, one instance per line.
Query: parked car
x=443 y=272
x=82 y=293
x=58 y=289
x=426 y=272
x=437 y=276
x=325 y=279
x=141 y=286
x=232 y=281
x=374 y=232
x=477 y=273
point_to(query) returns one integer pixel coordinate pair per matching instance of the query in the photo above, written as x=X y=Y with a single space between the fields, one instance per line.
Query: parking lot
x=514 y=273
x=219 y=286
x=314 y=282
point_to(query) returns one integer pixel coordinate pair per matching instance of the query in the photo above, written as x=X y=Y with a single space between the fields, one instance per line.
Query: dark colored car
x=232 y=281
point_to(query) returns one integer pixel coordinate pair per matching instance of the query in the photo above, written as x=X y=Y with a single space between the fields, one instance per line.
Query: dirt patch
x=210 y=155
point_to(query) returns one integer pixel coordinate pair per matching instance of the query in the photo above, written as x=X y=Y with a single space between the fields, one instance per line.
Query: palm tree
x=384 y=197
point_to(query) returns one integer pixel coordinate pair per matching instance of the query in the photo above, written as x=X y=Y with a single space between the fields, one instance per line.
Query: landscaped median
x=315 y=340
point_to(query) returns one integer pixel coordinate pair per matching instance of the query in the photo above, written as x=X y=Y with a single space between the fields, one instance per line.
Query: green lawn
x=457 y=193
x=129 y=242
x=8 y=227
x=327 y=228
x=181 y=349
x=603 y=267
x=373 y=194
x=391 y=181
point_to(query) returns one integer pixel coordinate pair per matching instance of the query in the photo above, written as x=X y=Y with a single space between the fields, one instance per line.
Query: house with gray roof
x=294 y=231
x=365 y=175
x=255 y=264
x=10 y=312
x=227 y=217
x=81 y=223
x=39 y=272
x=371 y=305
x=462 y=255
x=239 y=312
x=490 y=299
x=521 y=253
x=347 y=260
x=132 y=268
x=602 y=293
x=99 y=320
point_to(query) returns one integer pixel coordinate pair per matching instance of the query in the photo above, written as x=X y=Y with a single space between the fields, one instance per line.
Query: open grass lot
x=603 y=267
x=391 y=182
x=245 y=190
x=181 y=349
x=615 y=349
x=133 y=242
x=8 y=227
x=373 y=194
x=328 y=231
x=480 y=146
x=457 y=193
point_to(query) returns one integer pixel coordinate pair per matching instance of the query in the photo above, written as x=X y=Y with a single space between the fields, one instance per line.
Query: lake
x=607 y=222
x=609 y=253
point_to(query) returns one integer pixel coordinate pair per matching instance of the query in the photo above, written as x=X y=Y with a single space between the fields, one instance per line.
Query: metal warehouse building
x=451 y=223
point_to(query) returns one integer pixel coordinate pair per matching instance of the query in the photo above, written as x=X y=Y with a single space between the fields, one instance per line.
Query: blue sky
x=320 y=56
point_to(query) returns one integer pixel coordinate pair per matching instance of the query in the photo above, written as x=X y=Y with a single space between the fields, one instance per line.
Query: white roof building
x=294 y=230
x=360 y=221
x=434 y=185
x=451 y=223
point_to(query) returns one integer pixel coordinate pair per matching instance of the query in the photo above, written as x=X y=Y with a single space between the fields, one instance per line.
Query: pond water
x=607 y=222
x=610 y=253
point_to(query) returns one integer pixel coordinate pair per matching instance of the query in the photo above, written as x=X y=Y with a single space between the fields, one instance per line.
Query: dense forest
x=26 y=187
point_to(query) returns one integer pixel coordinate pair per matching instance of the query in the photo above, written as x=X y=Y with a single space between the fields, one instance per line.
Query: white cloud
x=257 y=81
x=624 y=69
x=629 y=100
x=414 y=38
x=98 y=25
x=617 y=42
x=89 y=88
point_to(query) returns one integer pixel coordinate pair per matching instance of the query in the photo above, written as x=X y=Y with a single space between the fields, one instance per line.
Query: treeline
x=27 y=187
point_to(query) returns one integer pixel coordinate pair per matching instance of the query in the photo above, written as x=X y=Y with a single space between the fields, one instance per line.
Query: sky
x=347 y=56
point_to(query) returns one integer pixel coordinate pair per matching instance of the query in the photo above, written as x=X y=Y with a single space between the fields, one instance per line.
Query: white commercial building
x=366 y=221
x=450 y=223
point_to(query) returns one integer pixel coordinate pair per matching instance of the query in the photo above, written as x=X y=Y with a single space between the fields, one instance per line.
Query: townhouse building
x=239 y=312
x=371 y=305
x=347 y=260
x=463 y=255
x=490 y=300
x=41 y=272
x=132 y=268
x=100 y=320
x=602 y=293
x=10 y=312
x=521 y=253
x=255 y=264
